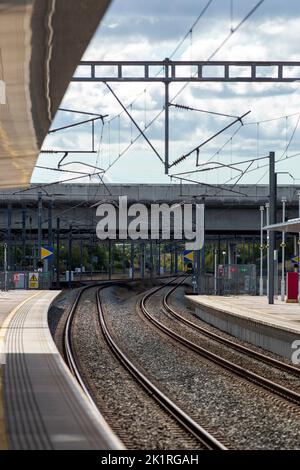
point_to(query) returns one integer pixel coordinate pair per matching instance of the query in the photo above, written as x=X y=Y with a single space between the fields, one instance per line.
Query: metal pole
x=39 y=224
x=70 y=257
x=276 y=274
x=273 y=201
x=261 y=279
x=197 y=255
x=132 y=259
x=268 y=245
x=109 y=260
x=283 y=252
x=81 y=256
x=50 y=239
x=215 y=271
x=151 y=260
x=142 y=260
x=24 y=237
x=5 y=267
x=158 y=259
x=167 y=133
x=123 y=260
x=299 y=256
x=57 y=252
x=8 y=256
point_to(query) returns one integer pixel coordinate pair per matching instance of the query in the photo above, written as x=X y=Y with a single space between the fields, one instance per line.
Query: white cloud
x=146 y=30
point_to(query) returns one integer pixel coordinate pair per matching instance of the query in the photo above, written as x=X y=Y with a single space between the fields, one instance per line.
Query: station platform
x=41 y=405
x=252 y=319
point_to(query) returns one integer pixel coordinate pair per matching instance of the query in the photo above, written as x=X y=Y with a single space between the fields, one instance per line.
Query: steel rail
x=227 y=342
x=267 y=384
x=183 y=418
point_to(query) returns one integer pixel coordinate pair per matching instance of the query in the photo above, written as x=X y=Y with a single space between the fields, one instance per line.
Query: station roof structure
x=41 y=43
x=292 y=225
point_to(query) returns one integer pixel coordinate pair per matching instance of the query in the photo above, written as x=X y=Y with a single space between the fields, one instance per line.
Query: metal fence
x=24 y=280
x=231 y=280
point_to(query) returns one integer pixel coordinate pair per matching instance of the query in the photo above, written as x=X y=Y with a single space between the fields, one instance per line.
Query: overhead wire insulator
x=179 y=160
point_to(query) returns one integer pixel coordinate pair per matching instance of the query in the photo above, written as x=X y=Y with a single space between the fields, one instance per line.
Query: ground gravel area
x=131 y=412
x=57 y=315
x=180 y=303
x=246 y=417
x=272 y=373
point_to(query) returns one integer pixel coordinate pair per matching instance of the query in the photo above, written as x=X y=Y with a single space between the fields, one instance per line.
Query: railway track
x=69 y=353
x=206 y=439
x=269 y=385
x=290 y=369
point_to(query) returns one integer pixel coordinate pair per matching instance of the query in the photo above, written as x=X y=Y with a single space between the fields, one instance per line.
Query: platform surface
x=10 y=300
x=41 y=404
x=280 y=315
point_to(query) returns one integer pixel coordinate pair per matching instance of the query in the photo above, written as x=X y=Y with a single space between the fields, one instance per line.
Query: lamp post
x=261 y=279
x=283 y=200
x=215 y=271
x=268 y=244
x=5 y=267
x=299 y=255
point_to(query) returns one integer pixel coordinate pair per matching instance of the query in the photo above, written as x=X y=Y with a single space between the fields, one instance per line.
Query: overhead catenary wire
x=134 y=122
x=288 y=143
x=197 y=149
x=158 y=114
x=194 y=24
x=234 y=30
x=251 y=12
x=188 y=108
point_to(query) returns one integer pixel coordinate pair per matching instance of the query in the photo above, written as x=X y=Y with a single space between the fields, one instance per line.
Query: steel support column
x=8 y=256
x=167 y=132
x=70 y=257
x=40 y=209
x=24 y=236
x=57 y=252
x=272 y=201
x=132 y=259
x=109 y=260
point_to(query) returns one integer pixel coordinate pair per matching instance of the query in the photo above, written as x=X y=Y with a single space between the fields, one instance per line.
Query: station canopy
x=292 y=225
x=41 y=43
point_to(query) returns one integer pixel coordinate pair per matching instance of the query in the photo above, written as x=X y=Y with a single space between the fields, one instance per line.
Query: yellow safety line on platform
x=3 y=329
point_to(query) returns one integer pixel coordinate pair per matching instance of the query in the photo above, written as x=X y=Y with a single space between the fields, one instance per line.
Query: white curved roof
x=41 y=43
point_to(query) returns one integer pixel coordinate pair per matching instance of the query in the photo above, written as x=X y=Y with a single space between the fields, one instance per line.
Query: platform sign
x=47 y=252
x=188 y=256
x=295 y=259
x=19 y=280
x=33 y=280
x=292 y=287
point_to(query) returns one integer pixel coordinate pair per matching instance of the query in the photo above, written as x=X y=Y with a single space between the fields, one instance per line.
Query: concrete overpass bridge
x=28 y=219
x=232 y=211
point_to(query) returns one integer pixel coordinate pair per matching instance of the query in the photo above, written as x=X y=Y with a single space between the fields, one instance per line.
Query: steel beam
x=212 y=71
x=57 y=253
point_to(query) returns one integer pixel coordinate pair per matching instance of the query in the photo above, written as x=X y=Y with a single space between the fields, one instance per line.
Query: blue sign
x=188 y=256
x=47 y=252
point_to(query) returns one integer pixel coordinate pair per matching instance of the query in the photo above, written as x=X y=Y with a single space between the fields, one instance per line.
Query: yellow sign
x=188 y=256
x=46 y=252
x=33 y=280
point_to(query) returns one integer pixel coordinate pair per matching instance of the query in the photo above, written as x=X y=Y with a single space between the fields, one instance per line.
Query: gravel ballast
x=131 y=412
x=247 y=416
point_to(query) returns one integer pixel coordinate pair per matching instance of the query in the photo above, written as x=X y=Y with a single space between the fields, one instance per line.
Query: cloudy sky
x=144 y=30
